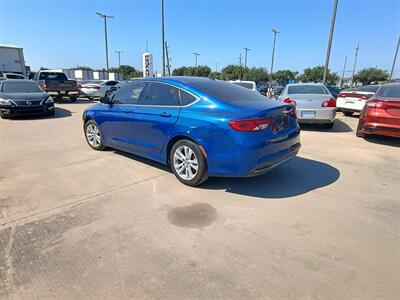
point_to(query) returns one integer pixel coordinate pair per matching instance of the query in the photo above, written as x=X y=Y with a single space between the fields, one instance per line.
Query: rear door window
x=160 y=94
x=186 y=98
x=390 y=91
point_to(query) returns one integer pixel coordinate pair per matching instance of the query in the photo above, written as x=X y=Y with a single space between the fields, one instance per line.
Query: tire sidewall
x=101 y=145
x=202 y=174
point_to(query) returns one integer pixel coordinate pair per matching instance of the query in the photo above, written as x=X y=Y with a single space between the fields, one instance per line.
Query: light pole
x=344 y=70
x=354 y=65
x=394 y=59
x=273 y=55
x=119 y=58
x=195 y=58
x=105 y=17
x=163 y=36
x=328 y=50
x=245 y=57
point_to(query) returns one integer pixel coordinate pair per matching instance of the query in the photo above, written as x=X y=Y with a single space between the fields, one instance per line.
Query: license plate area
x=308 y=114
x=280 y=123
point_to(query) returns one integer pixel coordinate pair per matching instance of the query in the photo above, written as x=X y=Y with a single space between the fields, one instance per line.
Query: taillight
x=289 y=101
x=78 y=86
x=342 y=95
x=250 y=125
x=329 y=103
x=366 y=97
x=376 y=103
x=45 y=86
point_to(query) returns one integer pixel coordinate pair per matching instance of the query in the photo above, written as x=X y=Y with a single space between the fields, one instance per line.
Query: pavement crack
x=9 y=282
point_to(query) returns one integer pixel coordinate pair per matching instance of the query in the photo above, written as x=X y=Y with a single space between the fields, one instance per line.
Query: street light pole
x=105 y=17
x=245 y=57
x=119 y=58
x=344 y=69
x=394 y=59
x=195 y=58
x=163 y=35
x=354 y=66
x=328 y=50
x=273 y=55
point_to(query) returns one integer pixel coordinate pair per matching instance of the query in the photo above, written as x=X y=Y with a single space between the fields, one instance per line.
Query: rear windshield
x=390 y=91
x=246 y=85
x=366 y=88
x=53 y=76
x=20 y=87
x=15 y=76
x=307 y=89
x=226 y=91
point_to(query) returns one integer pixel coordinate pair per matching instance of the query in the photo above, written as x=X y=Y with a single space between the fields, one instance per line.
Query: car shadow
x=339 y=126
x=58 y=113
x=141 y=159
x=383 y=140
x=66 y=100
x=296 y=177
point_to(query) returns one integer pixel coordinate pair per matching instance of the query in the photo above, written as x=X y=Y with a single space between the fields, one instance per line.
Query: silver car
x=97 y=88
x=314 y=103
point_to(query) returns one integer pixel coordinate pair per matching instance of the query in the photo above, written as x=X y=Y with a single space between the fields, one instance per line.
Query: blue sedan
x=201 y=127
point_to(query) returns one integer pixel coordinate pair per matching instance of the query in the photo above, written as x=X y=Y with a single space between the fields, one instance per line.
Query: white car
x=251 y=85
x=353 y=100
x=97 y=88
x=13 y=76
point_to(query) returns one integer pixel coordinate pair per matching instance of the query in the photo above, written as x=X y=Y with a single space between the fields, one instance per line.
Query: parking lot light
x=105 y=17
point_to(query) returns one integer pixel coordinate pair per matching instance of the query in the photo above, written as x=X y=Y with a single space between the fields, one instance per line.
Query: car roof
x=19 y=80
x=305 y=83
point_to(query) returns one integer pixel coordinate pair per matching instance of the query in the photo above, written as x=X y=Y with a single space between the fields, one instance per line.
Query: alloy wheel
x=185 y=163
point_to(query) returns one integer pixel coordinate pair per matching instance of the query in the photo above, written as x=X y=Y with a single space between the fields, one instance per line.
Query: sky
x=67 y=33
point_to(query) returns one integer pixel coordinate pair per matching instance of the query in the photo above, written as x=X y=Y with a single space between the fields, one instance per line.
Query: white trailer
x=12 y=59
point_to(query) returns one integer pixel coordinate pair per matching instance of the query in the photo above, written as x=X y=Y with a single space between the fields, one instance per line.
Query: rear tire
x=348 y=113
x=188 y=163
x=328 y=125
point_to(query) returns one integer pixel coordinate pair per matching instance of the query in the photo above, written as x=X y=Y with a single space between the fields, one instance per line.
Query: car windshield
x=247 y=85
x=390 y=91
x=226 y=91
x=52 y=76
x=307 y=89
x=20 y=87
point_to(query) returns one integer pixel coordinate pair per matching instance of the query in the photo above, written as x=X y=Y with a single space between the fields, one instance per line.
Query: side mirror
x=106 y=100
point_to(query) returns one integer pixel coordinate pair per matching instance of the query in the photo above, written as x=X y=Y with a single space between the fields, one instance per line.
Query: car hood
x=24 y=96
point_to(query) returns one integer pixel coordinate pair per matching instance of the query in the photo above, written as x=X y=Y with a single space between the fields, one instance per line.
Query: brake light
x=376 y=103
x=250 y=125
x=45 y=86
x=78 y=86
x=355 y=95
x=329 y=103
x=289 y=101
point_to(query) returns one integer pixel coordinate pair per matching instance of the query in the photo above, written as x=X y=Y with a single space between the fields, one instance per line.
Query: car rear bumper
x=321 y=116
x=381 y=129
x=66 y=93
x=350 y=106
x=26 y=110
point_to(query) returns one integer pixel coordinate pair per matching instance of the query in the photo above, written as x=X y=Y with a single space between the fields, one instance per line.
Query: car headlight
x=6 y=102
x=49 y=100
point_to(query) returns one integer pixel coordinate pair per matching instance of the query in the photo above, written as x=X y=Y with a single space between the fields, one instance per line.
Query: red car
x=381 y=113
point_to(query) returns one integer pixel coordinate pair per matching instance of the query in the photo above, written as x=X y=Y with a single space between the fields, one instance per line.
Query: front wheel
x=4 y=116
x=188 y=163
x=93 y=135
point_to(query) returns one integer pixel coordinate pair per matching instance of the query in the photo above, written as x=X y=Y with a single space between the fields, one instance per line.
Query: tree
x=127 y=71
x=231 y=72
x=199 y=71
x=283 y=76
x=316 y=74
x=256 y=74
x=370 y=75
x=82 y=68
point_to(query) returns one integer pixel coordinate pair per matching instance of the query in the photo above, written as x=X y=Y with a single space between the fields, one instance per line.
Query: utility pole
x=168 y=65
x=245 y=56
x=344 y=70
x=119 y=58
x=195 y=58
x=273 y=54
x=240 y=64
x=328 y=50
x=354 y=66
x=163 y=36
x=394 y=59
x=105 y=17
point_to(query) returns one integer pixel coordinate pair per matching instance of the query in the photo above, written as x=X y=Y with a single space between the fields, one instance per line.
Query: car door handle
x=165 y=115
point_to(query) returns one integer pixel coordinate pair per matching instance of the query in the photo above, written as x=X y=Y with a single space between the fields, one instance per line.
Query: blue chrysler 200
x=200 y=126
